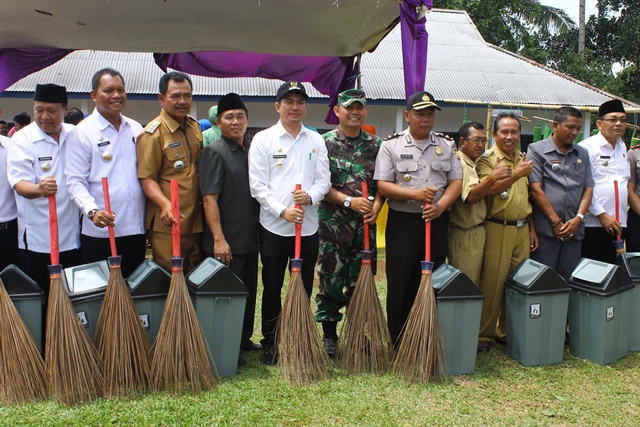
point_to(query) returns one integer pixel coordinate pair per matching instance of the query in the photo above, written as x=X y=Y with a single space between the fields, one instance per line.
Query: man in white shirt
x=608 y=156
x=280 y=157
x=8 y=212
x=103 y=145
x=35 y=171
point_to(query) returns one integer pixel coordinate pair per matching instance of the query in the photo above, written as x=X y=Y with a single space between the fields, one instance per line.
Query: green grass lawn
x=501 y=392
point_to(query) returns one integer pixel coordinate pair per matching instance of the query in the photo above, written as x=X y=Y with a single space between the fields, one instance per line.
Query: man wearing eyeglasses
x=608 y=156
x=561 y=186
x=167 y=149
x=466 y=228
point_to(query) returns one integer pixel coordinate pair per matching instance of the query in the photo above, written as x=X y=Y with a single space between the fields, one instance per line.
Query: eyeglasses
x=613 y=121
x=478 y=140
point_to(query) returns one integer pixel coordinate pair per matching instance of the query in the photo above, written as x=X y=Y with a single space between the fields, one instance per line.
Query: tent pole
x=358 y=73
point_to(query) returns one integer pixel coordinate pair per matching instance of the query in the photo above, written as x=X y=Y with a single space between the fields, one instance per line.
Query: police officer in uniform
x=168 y=149
x=466 y=230
x=510 y=235
x=632 y=241
x=561 y=187
x=419 y=173
x=8 y=212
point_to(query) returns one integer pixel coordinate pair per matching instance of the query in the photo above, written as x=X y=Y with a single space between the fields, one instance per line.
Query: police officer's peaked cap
x=421 y=100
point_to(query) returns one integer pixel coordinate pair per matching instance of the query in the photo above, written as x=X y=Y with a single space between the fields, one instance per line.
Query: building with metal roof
x=469 y=77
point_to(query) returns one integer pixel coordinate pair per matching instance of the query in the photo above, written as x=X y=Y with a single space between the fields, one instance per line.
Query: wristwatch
x=579 y=215
x=347 y=202
x=91 y=213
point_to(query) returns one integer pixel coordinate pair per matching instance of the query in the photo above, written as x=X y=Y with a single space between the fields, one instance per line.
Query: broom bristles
x=300 y=352
x=182 y=359
x=121 y=339
x=420 y=355
x=365 y=344
x=73 y=362
x=23 y=375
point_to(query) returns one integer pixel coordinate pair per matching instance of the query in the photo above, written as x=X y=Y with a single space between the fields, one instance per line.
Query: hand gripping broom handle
x=615 y=190
x=298 y=241
x=107 y=207
x=175 y=211
x=53 y=229
x=365 y=194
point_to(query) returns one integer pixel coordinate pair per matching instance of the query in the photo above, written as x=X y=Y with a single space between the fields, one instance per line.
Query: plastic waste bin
x=599 y=311
x=459 y=303
x=219 y=298
x=28 y=298
x=631 y=263
x=86 y=285
x=149 y=284
x=537 y=300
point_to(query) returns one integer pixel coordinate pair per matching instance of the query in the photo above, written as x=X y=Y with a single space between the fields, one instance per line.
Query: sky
x=571 y=7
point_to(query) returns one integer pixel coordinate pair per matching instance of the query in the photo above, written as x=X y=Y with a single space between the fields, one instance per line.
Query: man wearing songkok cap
x=168 y=149
x=342 y=213
x=36 y=171
x=231 y=214
x=419 y=172
x=103 y=145
x=608 y=156
x=282 y=156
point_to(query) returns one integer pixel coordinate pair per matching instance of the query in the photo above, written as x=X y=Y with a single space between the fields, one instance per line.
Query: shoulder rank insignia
x=151 y=127
x=393 y=136
x=486 y=154
x=442 y=135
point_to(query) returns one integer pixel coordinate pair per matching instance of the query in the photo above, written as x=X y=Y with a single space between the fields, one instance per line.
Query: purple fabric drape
x=414 y=45
x=329 y=75
x=16 y=64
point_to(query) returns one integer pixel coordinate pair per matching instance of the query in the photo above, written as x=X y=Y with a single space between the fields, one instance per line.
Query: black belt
x=519 y=223
x=8 y=224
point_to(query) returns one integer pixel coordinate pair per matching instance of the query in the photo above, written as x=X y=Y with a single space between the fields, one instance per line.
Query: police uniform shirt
x=277 y=162
x=564 y=178
x=33 y=156
x=515 y=206
x=465 y=215
x=633 y=156
x=8 y=209
x=224 y=170
x=93 y=150
x=608 y=164
x=168 y=150
x=405 y=162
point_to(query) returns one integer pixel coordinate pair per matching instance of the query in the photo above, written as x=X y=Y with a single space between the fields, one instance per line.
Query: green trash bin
x=536 y=299
x=219 y=297
x=599 y=311
x=459 y=303
x=28 y=298
x=631 y=263
x=149 y=284
x=86 y=285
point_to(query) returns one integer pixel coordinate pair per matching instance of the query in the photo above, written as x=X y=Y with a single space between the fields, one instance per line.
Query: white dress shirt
x=277 y=162
x=95 y=149
x=31 y=153
x=8 y=208
x=608 y=165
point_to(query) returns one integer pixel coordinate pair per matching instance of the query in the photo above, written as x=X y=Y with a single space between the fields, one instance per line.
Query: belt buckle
x=521 y=223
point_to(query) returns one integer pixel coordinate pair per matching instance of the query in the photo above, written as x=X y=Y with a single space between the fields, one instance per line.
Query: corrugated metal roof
x=461 y=66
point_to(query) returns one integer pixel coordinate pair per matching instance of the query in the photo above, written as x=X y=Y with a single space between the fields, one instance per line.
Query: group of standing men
x=238 y=201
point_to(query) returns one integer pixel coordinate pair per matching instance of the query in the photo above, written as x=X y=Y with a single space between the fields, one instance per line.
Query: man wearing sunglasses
x=466 y=228
x=608 y=156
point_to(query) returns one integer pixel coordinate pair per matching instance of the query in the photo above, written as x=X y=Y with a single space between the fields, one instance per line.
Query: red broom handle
x=365 y=194
x=175 y=211
x=427 y=241
x=53 y=229
x=615 y=190
x=298 y=241
x=107 y=207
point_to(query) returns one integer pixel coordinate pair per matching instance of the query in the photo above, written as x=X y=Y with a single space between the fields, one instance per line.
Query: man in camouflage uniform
x=342 y=213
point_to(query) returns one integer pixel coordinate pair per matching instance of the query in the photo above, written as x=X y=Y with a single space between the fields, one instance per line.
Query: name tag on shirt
x=279 y=156
x=174 y=144
x=406 y=156
x=102 y=144
x=605 y=157
x=44 y=159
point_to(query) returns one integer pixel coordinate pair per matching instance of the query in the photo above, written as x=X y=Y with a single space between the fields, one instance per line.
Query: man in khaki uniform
x=510 y=235
x=466 y=228
x=168 y=149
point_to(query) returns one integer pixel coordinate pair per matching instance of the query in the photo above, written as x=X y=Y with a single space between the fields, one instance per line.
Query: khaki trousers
x=161 y=245
x=466 y=250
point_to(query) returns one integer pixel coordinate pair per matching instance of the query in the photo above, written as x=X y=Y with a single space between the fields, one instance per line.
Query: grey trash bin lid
x=599 y=278
x=19 y=286
x=532 y=277
x=212 y=277
x=450 y=283
x=149 y=280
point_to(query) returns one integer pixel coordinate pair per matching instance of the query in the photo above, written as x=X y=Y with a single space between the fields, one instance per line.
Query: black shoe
x=500 y=341
x=330 y=346
x=484 y=346
x=269 y=357
x=250 y=346
x=241 y=360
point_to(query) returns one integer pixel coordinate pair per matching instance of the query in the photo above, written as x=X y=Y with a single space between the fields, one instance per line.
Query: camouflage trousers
x=338 y=267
